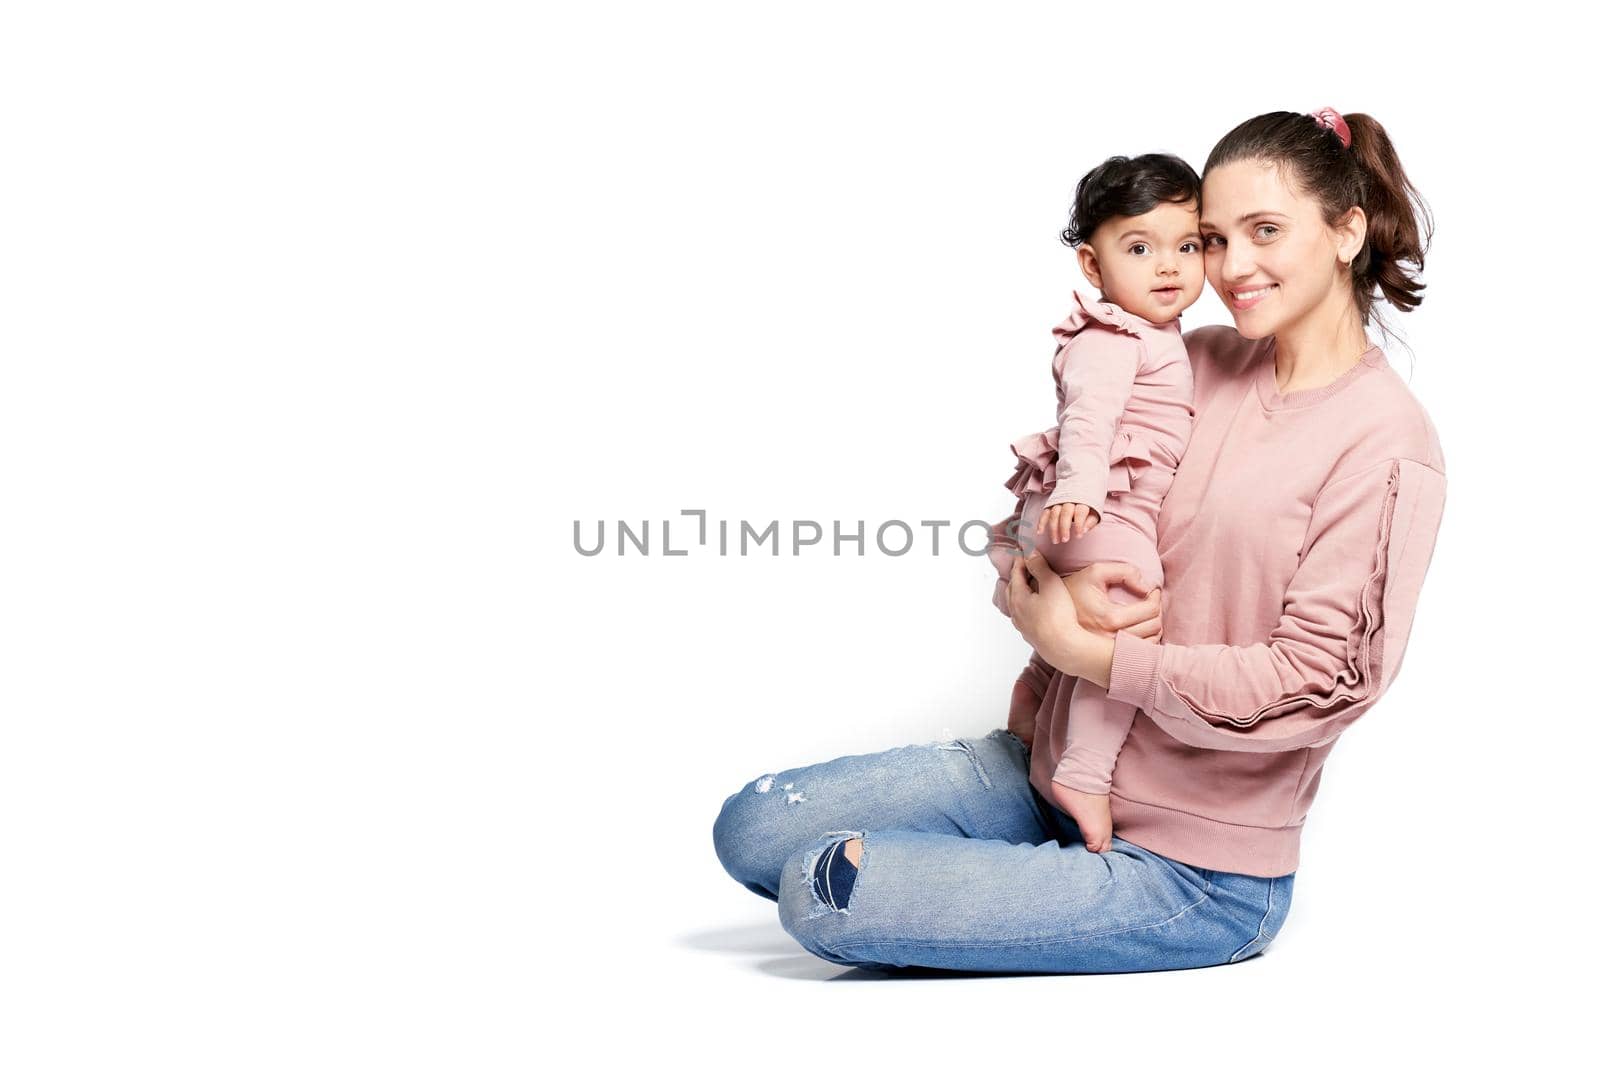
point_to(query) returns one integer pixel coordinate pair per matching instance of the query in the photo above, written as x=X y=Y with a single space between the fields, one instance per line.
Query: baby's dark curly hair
x=1123 y=186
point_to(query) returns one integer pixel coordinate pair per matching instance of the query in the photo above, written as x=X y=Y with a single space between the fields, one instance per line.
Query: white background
x=324 y=322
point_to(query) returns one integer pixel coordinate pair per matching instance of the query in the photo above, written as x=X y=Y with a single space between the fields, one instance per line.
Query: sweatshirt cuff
x=1135 y=668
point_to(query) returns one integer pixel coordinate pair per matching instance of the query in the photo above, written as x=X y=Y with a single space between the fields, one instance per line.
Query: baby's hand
x=1059 y=521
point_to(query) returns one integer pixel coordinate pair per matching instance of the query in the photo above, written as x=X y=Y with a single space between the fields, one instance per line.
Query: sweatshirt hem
x=1260 y=851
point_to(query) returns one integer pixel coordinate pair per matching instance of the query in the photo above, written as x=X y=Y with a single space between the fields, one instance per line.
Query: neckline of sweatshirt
x=1266 y=379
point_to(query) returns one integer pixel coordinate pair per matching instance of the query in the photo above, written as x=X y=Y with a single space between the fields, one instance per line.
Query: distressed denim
x=966 y=867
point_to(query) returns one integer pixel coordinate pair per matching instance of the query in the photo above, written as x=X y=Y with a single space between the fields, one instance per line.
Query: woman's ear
x=1349 y=234
x=1089 y=265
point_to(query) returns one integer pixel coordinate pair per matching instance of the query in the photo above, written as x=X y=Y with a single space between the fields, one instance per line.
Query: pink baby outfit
x=1294 y=540
x=1124 y=408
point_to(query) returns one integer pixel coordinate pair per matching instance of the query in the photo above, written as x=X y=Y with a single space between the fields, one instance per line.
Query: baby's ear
x=1089 y=264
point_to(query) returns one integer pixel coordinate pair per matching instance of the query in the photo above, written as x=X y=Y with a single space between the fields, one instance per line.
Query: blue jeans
x=966 y=867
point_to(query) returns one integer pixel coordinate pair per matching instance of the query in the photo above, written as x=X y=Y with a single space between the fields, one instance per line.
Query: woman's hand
x=1096 y=612
x=1049 y=622
x=1044 y=614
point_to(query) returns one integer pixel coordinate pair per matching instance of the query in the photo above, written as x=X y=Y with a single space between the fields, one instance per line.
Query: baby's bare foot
x=1091 y=811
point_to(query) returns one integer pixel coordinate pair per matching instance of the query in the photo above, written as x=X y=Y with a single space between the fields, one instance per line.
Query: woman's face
x=1268 y=254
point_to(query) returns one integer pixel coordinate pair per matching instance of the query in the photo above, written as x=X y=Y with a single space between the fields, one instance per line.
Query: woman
x=1294 y=540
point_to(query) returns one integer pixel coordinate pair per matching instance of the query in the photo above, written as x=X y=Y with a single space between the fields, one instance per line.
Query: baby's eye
x=1135 y=249
x=1189 y=245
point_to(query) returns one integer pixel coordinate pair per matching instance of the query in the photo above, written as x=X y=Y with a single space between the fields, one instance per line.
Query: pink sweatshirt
x=1294 y=540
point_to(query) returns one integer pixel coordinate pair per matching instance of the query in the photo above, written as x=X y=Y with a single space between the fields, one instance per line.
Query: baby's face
x=1152 y=264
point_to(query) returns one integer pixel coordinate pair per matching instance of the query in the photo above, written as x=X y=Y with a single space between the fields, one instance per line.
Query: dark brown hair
x=1123 y=186
x=1366 y=175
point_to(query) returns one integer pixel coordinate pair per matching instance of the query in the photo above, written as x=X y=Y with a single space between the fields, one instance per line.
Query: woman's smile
x=1243 y=299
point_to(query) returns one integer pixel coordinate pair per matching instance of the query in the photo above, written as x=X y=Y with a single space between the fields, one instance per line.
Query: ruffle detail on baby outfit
x=1036 y=462
x=1107 y=314
x=1130 y=457
x=1037 y=454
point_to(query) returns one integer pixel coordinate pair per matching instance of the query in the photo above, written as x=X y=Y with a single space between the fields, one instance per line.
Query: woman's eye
x=1265 y=226
x=1210 y=237
x=1136 y=248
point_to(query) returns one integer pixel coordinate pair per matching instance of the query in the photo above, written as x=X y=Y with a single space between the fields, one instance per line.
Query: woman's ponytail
x=1399 y=225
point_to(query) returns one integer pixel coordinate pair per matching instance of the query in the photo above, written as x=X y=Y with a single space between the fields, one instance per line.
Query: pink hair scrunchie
x=1330 y=119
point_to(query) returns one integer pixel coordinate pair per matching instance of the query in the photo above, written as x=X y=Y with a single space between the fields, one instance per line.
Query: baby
x=1090 y=487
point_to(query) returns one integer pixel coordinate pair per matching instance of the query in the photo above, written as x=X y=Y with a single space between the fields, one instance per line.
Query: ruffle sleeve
x=1088 y=455
x=1338 y=645
x=1037 y=455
